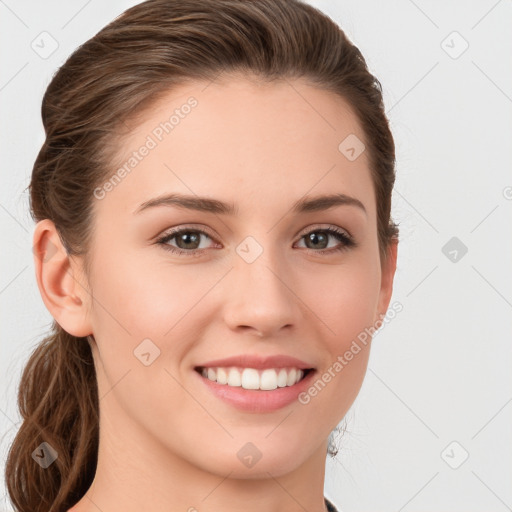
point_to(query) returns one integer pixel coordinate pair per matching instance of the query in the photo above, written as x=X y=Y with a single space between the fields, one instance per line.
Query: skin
x=166 y=443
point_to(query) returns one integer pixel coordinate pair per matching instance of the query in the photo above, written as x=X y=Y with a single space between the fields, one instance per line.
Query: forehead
x=241 y=140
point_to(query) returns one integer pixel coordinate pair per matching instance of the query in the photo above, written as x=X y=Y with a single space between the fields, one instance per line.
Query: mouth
x=266 y=379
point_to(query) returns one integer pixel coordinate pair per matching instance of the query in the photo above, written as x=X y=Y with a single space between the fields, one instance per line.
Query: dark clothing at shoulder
x=329 y=505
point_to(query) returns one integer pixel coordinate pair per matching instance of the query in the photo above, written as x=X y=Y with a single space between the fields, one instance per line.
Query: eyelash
x=347 y=241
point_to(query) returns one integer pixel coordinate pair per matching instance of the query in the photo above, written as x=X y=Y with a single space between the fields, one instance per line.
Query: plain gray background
x=431 y=428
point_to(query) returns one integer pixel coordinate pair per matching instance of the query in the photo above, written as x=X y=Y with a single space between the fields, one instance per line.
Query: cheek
x=344 y=300
x=161 y=302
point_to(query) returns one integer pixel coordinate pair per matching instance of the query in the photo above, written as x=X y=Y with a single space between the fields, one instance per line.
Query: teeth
x=282 y=378
x=250 y=378
x=222 y=376
x=234 y=377
x=292 y=377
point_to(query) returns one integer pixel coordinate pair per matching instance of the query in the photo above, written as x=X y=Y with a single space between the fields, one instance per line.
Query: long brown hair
x=116 y=74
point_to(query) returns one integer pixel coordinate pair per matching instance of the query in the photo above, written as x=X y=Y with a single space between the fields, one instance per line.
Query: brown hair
x=143 y=53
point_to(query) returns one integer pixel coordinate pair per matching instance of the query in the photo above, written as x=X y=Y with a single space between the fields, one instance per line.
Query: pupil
x=313 y=237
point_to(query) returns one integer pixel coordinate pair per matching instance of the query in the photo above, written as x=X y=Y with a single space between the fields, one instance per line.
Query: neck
x=144 y=475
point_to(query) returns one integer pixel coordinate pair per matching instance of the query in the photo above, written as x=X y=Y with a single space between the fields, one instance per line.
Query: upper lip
x=258 y=362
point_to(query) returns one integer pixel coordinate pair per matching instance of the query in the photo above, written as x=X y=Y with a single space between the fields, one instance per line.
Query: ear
x=60 y=281
x=388 y=267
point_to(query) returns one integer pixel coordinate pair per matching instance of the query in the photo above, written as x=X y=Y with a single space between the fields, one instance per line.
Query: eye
x=319 y=239
x=188 y=241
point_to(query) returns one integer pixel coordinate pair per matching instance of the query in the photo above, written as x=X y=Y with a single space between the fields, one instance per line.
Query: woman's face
x=263 y=280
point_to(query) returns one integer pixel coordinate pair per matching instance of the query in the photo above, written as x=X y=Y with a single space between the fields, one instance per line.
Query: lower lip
x=255 y=400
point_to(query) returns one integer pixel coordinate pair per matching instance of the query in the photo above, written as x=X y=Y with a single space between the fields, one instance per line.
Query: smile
x=251 y=378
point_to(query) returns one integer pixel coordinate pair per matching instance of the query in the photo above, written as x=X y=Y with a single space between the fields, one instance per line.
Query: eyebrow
x=206 y=204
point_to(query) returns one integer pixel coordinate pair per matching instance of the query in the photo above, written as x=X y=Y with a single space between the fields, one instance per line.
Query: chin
x=256 y=461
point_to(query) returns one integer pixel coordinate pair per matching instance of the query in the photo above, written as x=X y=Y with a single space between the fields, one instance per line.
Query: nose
x=260 y=297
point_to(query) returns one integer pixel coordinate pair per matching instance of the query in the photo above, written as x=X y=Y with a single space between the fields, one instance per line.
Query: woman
x=213 y=236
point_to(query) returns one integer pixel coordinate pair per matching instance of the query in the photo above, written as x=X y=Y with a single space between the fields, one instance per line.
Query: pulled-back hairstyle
x=117 y=74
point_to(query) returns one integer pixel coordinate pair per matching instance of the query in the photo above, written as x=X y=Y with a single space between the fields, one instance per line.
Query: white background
x=441 y=370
